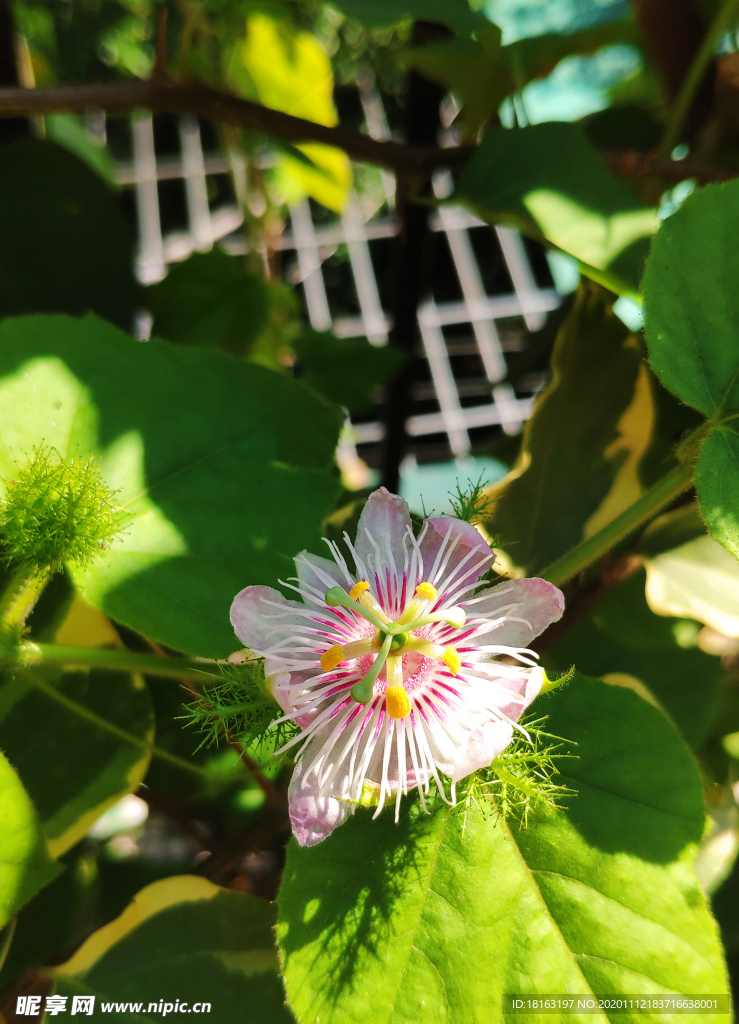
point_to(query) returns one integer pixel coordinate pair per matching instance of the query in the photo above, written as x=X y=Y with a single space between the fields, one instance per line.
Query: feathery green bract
x=56 y=511
x=519 y=778
x=240 y=707
x=470 y=503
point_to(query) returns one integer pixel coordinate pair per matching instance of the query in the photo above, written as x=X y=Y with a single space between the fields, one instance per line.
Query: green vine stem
x=645 y=508
x=29 y=654
x=6 y=939
x=102 y=723
x=721 y=23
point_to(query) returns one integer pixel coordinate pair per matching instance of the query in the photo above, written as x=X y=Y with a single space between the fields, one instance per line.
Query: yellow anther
x=426 y=591
x=358 y=589
x=452 y=660
x=397 y=701
x=332 y=657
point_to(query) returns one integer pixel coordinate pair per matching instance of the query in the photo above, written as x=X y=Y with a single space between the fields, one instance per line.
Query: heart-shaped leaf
x=438 y=917
x=25 y=865
x=223 y=468
x=692 y=329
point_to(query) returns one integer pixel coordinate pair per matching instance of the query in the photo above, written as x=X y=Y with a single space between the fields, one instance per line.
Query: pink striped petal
x=321 y=573
x=539 y=605
x=313 y=814
x=461 y=539
x=386 y=518
x=254 y=621
x=490 y=738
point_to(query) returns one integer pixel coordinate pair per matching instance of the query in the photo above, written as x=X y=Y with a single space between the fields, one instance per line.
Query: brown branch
x=178 y=98
x=413 y=161
x=627 y=163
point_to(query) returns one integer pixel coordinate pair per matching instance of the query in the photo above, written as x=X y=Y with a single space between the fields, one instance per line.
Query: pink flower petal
x=288 y=689
x=386 y=518
x=255 y=621
x=313 y=815
x=487 y=741
x=538 y=602
x=491 y=737
x=321 y=573
x=528 y=687
x=463 y=538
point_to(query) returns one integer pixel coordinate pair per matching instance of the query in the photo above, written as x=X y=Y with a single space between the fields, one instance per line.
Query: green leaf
x=56 y=920
x=69 y=130
x=72 y=769
x=475 y=73
x=25 y=865
x=290 y=71
x=345 y=371
x=548 y=180
x=623 y=637
x=65 y=246
x=482 y=74
x=578 y=465
x=223 y=467
x=184 y=939
x=436 y=918
x=210 y=300
x=717 y=485
x=691 y=304
x=537 y=56
x=692 y=324
x=456 y=14
x=698 y=580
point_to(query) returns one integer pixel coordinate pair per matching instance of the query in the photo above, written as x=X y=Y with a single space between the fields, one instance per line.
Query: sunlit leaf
x=692 y=327
x=699 y=580
x=326 y=176
x=290 y=71
x=549 y=180
x=222 y=467
x=578 y=467
x=436 y=918
x=25 y=865
x=183 y=940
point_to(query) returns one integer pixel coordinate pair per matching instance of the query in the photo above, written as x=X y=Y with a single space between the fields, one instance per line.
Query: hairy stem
x=20 y=595
x=679 y=112
x=102 y=723
x=651 y=502
x=29 y=654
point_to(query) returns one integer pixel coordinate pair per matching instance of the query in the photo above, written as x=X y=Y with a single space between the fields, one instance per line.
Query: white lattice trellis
x=312 y=244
